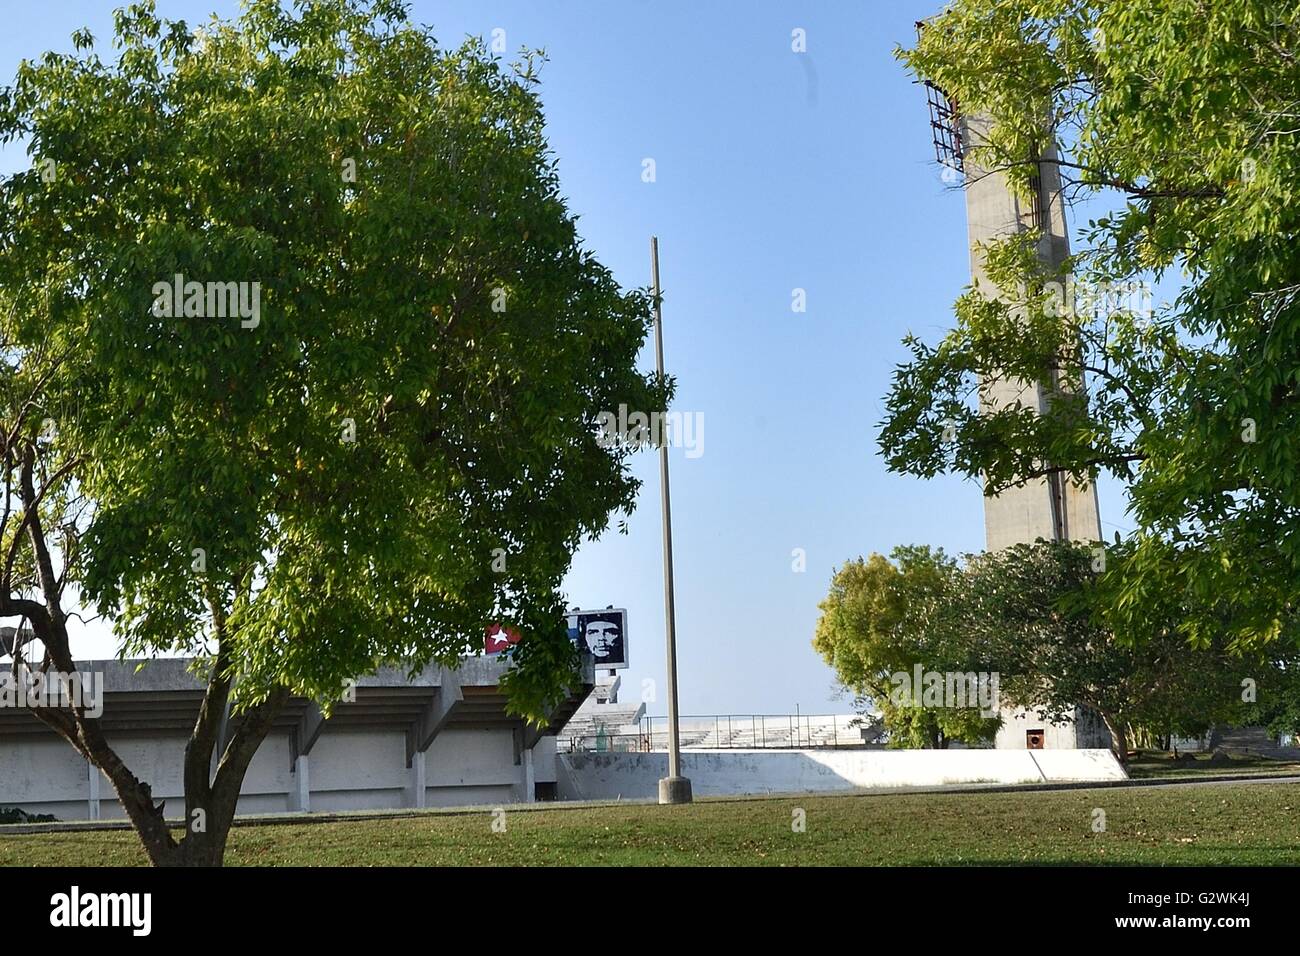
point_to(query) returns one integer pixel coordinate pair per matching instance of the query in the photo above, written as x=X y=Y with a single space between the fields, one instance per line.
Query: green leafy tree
x=880 y=620
x=1274 y=702
x=1036 y=616
x=1039 y=612
x=1180 y=117
x=391 y=445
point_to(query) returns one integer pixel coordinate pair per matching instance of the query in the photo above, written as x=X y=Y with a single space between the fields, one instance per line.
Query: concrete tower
x=1054 y=508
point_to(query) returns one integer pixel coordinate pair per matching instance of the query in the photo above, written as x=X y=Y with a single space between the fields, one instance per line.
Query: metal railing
x=605 y=743
x=730 y=732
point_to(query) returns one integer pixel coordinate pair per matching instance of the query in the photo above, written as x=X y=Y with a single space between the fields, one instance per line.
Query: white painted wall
x=366 y=769
x=459 y=758
x=356 y=769
x=350 y=760
x=1081 y=765
x=43 y=776
x=608 y=776
x=1085 y=731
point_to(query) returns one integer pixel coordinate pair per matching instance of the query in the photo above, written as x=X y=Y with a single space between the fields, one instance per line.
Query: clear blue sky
x=775 y=171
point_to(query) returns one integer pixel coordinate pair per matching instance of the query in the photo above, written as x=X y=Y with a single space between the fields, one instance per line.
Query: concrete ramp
x=1067 y=766
x=718 y=773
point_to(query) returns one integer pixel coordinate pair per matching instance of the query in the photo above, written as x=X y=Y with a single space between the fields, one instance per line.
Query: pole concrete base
x=675 y=790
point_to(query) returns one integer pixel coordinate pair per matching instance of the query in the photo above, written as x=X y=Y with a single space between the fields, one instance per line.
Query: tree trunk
x=1118 y=735
x=210 y=809
x=197 y=849
x=209 y=803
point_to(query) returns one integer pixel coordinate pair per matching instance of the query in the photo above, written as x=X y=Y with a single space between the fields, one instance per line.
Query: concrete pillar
x=530 y=778
x=300 y=798
x=416 y=791
x=1056 y=508
x=92 y=801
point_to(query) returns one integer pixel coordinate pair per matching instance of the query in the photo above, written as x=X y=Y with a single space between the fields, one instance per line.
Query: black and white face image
x=602 y=635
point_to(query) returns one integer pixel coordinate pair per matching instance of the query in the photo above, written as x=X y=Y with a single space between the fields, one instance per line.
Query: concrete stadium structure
x=442 y=738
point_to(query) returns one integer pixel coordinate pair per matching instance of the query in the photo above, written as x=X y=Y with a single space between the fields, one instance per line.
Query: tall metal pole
x=674 y=788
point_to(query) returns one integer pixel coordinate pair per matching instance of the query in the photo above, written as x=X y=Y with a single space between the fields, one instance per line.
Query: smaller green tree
x=1046 y=619
x=1042 y=610
x=882 y=619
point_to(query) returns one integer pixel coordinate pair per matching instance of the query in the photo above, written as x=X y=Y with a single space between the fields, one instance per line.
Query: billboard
x=603 y=634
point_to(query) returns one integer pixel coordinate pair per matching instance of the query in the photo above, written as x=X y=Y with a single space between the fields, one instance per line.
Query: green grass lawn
x=1227 y=824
